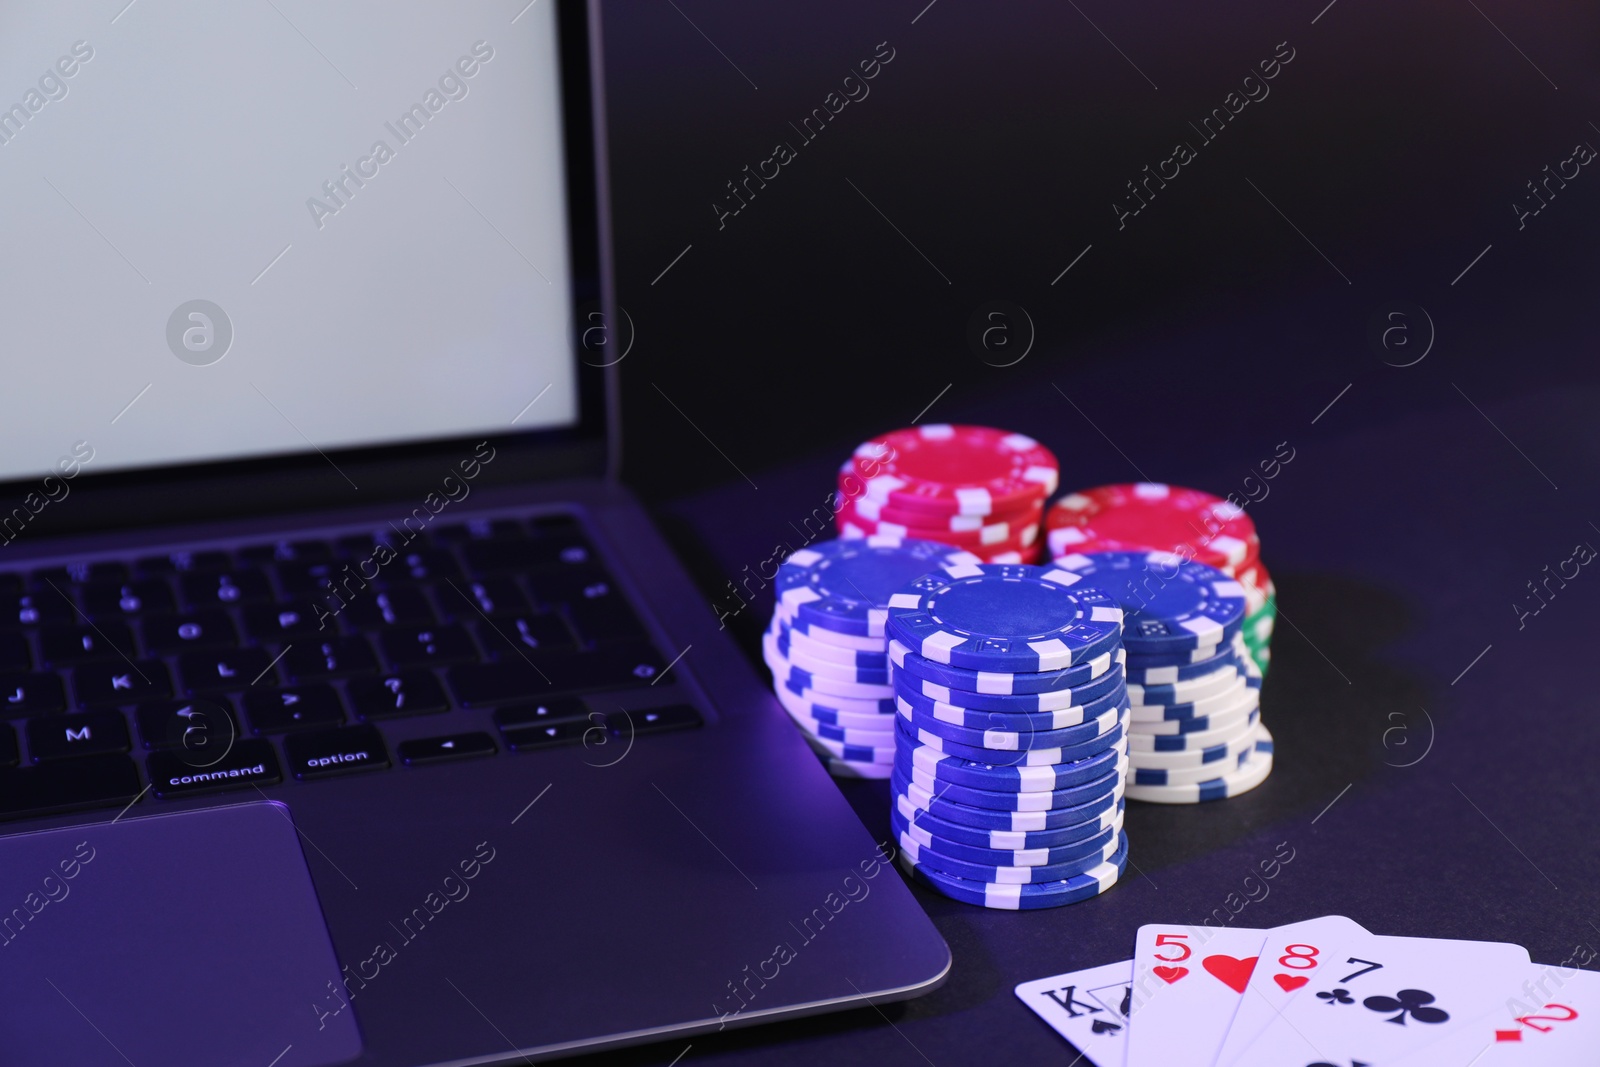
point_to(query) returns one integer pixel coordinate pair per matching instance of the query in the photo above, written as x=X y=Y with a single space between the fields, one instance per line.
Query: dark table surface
x=1436 y=737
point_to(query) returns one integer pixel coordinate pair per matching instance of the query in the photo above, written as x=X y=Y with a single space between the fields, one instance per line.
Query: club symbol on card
x=1290 y=982
x=1169 y=974
x=1336 y=996
x=1413 y=1001
x=1105 y=1026
x=1230 y=971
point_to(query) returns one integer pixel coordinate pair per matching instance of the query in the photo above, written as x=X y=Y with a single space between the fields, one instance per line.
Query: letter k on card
x=1187 y=981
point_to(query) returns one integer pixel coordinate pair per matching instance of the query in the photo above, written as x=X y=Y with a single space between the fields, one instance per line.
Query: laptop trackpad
x=182 y=939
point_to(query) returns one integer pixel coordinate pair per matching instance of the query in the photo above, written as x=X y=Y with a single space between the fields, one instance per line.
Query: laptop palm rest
x=180 y=939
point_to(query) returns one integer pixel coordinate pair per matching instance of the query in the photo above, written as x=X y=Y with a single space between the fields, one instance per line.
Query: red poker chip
x=945 y=470
x=1150 y=515
x=996 y=537
x=875 y=511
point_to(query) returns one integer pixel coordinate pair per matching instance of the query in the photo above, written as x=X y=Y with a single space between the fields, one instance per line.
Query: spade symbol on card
x=1169 y=974
x=1105 y=1026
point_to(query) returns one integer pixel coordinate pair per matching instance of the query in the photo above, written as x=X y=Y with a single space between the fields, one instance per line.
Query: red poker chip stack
x=1169 y=518
x=971 y=487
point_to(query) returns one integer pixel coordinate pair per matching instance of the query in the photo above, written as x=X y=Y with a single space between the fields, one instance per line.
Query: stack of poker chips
x=970 y=487
x=1170 y=518
x=1010 y=730
x=1196 y=732
x=827 y=650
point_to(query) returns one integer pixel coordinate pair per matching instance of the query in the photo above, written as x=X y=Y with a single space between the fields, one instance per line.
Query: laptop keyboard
x=204 y=669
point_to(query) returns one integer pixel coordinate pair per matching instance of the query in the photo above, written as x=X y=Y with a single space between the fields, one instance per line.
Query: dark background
x=1184 y=346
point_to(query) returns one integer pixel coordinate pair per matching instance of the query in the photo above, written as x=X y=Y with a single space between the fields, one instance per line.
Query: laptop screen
x=240 y=230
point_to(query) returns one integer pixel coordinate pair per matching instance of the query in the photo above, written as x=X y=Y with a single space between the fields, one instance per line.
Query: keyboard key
x=87 y=733
x=333 y=657
x=312 y=579
x=456 y=533
x=329 y=752
x=510 y=638
x=115 y=600
x=67 y=645
x=561 y=709
x=120 y=683
x=393 y=607
x=287 y=552
x=225 y=588
x=14 y=652
x=180 y=774
x=652 y=720
x=362 y=546
x=438 y=749
x=8 y=746
x=422 y=565
x=406 y=693
x=29 y=694
x=183 y=560
x=547 y=736
x=427 y=645
x=188 y=724
x=492 y=597
x=91 y=782
x=226 y=669
x=276 y=711
x=35 y=609
x=80 y=572
x=546 y=675
x=209 y=628
x=286 y=621
x=601 y=614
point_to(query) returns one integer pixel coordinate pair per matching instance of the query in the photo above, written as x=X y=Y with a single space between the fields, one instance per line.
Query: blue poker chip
x=824 y=650
x=1238 y=741
x=1234 y=759
x=1008 y=738
x=1142 y=673
x=1073 y=852
x=845 y=585
x=1002 y=682
x=1185 y=692
x=1170 y=604
x=1004 y=617
x=831 y=669
x=1197 y=725
x=1223 y=700
x=847 y=696
x=1237 y=703
x=1004 y=873
x=941 y=827
x=1002 y=777
x=807 y=714
x=917 y=798
x=1250 y=772
x=1009 y=897
x=912 y=734
x=1192 y=741
x=1053 y=700
x=1037 y=801
x=981 y=716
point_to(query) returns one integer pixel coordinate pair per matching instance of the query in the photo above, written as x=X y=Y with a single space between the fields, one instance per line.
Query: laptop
x=351 y=711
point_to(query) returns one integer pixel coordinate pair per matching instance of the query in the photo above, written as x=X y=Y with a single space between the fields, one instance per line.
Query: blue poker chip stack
x=1010 y=731
x=1193 y=687
x=827 y=649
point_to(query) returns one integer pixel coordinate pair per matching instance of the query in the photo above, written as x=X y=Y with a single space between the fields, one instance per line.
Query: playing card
x=1187 y=982
x=1290 y=957
x=1377 y=999
x=1089 y=1008
x=1550 y=1017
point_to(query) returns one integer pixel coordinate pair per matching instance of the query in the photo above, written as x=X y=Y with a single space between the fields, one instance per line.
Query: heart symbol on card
x=1169 y=974
x=1230 y=971
x=1290 y=982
